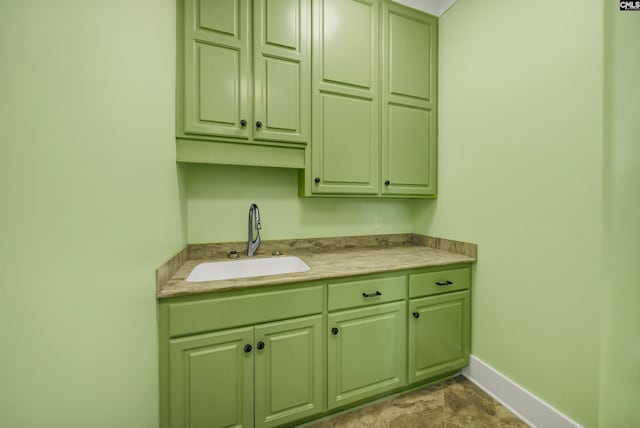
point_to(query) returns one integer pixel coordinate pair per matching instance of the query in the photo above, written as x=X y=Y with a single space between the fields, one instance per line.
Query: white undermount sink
x=215 y=271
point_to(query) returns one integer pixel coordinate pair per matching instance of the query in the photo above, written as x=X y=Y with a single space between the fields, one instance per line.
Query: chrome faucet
x=254 y=222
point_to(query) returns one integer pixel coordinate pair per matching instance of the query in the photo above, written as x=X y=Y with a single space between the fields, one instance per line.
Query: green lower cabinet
x=261 y=376
x=289 y=381
x=366 y=352
x=211 y=379
x=439 y=335
x=280 y=355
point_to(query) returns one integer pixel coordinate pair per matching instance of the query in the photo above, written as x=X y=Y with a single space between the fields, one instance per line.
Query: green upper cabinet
x=345 y=86
x=217 y=77
x=374 y=100
x=282 y=75
x=409 y=86
x=243 y=92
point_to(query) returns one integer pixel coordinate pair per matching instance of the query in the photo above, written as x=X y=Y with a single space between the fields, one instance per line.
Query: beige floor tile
x=455 y=403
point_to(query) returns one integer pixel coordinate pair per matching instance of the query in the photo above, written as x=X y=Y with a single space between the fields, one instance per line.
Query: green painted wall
x=89 y=207
x=219 y=197
x=91 y=202
x=620 y=371
x=520 y=172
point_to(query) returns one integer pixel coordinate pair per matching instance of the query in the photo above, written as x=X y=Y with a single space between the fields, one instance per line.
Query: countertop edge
x=164 y=273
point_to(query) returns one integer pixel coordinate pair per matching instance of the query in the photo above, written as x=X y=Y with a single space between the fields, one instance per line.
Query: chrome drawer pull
x=376 y=294
x=443 y=284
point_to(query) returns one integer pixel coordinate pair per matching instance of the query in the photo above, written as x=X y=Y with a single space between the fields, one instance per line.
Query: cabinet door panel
x=367 y=355
x=409 y=133
x=283 y=95
x=219 y=15
x=216 y=73
x=344 y=157
x=282 y=49
x=408 y=157
x=348 y=42
x=346 y=131
x=284 y=20
x=289 y=371
x=439 y=336
x=211 y=380
x=409 y=56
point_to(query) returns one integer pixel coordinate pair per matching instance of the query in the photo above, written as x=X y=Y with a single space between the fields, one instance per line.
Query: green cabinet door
x=409 y=73
x=282 y=70
x=289 y=381
x=439 y=335
x=243 y=82
x=216 y=68
x=345 y=97
x=366 y=352
x=211 y=380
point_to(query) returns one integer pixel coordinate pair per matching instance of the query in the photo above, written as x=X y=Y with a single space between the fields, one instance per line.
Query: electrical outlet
x=377 y=222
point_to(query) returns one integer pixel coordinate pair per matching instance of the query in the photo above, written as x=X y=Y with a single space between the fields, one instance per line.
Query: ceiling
x=434 y=7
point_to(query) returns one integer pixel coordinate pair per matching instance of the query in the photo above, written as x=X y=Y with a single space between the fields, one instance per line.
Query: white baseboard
x=518 y=400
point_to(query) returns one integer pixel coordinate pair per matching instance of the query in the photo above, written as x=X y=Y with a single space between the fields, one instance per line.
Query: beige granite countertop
x=327 y=258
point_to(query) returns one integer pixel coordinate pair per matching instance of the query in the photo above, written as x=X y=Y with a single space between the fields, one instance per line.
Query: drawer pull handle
x=416 y=315
x=247 y=348
x=443 y=284
x=260 y=345
x=376 y=294
x=334 y=331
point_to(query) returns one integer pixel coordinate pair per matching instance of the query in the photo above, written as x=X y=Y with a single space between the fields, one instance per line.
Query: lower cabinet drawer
x=247 y=309
x=365 y=292
x=438 y=282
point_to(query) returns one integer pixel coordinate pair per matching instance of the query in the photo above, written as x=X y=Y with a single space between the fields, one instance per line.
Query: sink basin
x=215 y=271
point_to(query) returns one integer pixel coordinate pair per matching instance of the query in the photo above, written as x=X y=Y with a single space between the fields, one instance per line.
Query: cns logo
x=629 y=5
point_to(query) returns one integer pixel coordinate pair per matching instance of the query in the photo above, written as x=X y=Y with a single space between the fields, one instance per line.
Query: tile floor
x=455 y=403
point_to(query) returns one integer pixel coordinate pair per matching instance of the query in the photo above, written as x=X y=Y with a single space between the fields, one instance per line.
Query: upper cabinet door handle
x=243 y=123
x=258 y=124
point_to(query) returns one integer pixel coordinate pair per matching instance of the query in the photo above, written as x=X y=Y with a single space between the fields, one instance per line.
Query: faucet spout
x=254 y=229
